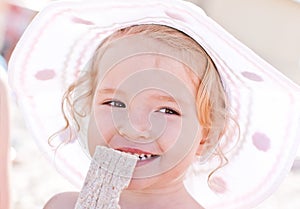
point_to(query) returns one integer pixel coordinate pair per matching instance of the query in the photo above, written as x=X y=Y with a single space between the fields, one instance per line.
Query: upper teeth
x=143 y=156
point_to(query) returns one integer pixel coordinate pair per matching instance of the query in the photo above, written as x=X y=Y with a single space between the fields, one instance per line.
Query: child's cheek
x=171 y=134
x=100 y=130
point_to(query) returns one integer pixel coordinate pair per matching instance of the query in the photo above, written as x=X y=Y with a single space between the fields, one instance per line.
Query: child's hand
x=109 y=173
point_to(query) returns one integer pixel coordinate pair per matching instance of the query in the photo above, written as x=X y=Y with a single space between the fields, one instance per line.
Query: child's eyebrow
x=163 y=98
x=110 y=91
x=157 y=97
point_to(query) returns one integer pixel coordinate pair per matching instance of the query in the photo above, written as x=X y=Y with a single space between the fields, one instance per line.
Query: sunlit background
x=271 y=28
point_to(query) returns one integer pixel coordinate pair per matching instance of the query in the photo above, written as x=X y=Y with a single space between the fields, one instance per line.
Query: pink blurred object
x=4 y=142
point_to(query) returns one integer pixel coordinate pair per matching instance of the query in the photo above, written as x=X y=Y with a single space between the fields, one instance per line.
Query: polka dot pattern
x=81 y=21
x=46 y=74
x=66 y=136
x=252 y=76
x=175 y=16
x=261 y=141
x=218 y=185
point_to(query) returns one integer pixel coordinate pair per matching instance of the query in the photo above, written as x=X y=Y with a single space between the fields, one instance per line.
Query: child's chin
x=141 y=184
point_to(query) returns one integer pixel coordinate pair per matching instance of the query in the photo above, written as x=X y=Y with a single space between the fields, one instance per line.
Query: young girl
x=161 y=81
x=153 y=97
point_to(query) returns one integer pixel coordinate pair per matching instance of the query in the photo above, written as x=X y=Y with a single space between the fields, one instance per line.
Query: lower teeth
x=143 y=158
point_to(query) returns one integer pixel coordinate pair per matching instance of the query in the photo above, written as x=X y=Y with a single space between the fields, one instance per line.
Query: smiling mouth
x=139 y=154
x=142 y=157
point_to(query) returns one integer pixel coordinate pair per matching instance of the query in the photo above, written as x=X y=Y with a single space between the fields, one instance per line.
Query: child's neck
x=175 y=197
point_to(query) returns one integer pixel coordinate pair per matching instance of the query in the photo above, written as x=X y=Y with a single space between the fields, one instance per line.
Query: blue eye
x=115 y=103
x=168 y=111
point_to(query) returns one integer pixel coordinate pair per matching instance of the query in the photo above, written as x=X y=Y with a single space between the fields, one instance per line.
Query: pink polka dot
x=67 y=136
x=175 y=16
x=252 y=76
x=217 y=184
x=261 y=141
x=46 y=74
x=82 y=21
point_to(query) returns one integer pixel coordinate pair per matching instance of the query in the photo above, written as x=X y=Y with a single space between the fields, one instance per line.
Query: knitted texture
x=109 y=173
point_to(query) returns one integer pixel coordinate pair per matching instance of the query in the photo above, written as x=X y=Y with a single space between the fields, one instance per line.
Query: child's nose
x=130 y=133
x=137 y=125
x=140 y=125
x=139 y=119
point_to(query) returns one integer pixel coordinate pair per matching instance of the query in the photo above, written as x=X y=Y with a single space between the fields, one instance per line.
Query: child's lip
x=135 y=151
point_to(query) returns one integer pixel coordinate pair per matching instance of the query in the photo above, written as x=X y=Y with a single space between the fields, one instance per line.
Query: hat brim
x=61 y=40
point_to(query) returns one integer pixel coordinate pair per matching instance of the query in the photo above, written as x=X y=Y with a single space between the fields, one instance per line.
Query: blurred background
x=271 y=28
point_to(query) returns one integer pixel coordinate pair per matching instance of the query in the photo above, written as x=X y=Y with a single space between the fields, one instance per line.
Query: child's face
x=145 y=105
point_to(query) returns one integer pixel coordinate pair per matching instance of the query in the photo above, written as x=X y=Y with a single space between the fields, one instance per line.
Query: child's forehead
x=148 y=71
x=136 y=45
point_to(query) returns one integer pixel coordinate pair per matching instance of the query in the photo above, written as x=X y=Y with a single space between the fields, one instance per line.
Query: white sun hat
x=63 y=37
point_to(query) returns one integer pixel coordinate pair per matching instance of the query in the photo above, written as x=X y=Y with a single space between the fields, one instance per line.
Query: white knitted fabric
x=109 y=173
